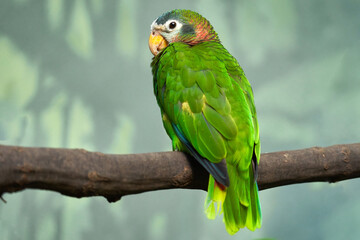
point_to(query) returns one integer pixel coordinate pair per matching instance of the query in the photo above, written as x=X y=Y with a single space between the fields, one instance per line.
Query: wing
x=217 y=170
x=235 y=72
x=191 y=90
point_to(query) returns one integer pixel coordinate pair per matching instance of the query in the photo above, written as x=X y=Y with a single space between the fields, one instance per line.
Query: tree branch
x=79 y=173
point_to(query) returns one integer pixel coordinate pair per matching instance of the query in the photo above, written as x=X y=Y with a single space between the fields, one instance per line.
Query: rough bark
x=79 y=173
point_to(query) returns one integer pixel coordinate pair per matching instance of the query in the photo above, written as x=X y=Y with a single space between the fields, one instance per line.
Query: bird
x=207 y=109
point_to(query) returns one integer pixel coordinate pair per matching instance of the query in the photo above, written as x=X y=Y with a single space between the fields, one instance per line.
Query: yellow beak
x=156 y=42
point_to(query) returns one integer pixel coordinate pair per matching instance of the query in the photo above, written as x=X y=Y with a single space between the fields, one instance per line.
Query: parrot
x=207 y=109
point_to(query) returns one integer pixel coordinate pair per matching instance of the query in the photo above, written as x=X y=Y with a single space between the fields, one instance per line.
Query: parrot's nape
x=208 y=111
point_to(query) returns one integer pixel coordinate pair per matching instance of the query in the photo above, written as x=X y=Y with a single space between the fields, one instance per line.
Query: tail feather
x=234 y=213
x=255 y=210
x=241 y=188
x=216 y=195
x=240 y=203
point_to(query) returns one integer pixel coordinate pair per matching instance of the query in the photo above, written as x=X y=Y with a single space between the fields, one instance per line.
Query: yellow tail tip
x=216 y=195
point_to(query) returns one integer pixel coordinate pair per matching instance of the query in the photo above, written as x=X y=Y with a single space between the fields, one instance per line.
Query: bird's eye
x=172 y=25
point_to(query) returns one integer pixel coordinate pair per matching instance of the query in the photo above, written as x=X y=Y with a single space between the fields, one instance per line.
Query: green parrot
x=208 y=111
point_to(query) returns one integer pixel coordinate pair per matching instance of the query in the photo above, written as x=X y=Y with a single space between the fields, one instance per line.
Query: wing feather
x=209 y=109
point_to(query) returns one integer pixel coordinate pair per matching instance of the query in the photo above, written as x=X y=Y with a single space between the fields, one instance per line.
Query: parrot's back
x=208 y=111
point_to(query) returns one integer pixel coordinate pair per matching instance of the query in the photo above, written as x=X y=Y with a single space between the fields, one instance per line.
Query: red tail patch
x=219 y=185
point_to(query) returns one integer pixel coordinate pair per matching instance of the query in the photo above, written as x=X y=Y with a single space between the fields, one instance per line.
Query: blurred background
x=76 y=74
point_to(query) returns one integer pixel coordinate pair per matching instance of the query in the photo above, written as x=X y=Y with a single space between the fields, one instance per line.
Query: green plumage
x=202 y=91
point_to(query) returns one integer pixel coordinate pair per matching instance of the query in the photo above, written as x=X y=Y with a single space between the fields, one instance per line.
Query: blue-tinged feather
x=217 y=170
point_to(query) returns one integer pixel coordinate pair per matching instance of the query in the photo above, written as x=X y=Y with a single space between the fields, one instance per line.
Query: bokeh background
x=76 y=74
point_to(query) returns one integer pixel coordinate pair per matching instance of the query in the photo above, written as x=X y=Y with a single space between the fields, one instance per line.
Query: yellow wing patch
x=186 y=107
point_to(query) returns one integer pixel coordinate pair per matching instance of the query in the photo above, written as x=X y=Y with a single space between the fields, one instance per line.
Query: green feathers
x=207 y=106
x=191 y=98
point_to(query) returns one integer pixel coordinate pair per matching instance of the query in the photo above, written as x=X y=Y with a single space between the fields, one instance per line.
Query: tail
x=239 y=202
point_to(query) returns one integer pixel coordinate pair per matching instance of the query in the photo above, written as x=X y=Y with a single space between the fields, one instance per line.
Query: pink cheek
x=175 y=39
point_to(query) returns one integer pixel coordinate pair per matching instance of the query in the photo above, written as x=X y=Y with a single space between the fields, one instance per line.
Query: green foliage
x=79 y=35
x=15 y=93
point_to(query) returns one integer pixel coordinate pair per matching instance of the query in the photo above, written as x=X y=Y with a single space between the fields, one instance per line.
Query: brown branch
x=79 y=173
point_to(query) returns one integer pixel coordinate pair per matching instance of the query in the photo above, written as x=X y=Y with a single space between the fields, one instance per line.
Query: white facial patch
x=169 y=30
x=169 y=23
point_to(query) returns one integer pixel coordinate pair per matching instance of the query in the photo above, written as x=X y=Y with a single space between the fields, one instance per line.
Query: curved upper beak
x=156 y=42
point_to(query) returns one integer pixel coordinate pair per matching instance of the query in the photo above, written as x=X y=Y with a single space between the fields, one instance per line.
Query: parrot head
x=180 y=26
